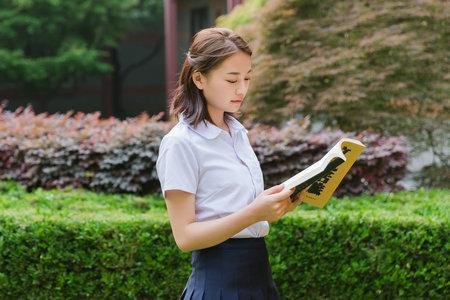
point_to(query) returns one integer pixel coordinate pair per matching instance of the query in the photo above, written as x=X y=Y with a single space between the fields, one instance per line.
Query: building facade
x=146 y=64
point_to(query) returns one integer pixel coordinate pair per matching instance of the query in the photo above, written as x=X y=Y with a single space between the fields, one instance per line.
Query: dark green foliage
x=46 y=43
x=74 y=244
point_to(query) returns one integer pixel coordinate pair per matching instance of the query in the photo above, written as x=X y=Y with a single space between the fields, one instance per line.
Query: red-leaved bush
x=80 y=151
x=282 y=153
x=113 y=156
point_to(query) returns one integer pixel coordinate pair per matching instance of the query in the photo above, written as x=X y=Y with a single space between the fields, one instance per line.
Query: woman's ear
x=197 y=78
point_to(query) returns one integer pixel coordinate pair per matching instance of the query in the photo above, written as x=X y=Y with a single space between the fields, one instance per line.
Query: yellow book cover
x=323 y=177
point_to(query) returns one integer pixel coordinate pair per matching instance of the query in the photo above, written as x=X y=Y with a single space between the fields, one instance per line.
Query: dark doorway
x=199 y=19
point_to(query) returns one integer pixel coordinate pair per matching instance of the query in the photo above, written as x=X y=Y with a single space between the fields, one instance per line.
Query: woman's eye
x=232 y=81
x=248 y=79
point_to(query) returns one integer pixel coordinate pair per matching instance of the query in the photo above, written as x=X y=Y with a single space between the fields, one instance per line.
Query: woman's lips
x=236 y=101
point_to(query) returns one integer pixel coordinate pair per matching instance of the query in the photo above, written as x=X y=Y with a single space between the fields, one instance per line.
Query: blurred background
x=107 y=56
x=354 y=65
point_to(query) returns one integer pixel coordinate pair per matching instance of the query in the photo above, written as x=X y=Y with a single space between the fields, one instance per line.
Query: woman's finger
x=298 y=199
x=280 y=195
x=275 y=189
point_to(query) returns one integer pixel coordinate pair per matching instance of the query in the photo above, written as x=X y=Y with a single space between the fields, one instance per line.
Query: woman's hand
x=190 y=235
x=298 y=199
x=274 y=203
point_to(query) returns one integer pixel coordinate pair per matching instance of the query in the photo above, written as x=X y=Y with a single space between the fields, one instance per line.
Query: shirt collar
x=211 y=131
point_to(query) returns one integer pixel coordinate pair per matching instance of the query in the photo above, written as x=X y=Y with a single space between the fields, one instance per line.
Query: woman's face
x=225 y=86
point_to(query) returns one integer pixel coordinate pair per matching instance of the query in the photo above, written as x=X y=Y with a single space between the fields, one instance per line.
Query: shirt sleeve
x=177 y=166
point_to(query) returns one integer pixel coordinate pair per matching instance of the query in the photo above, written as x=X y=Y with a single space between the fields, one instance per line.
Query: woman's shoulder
x=179 y=134
x=176 y=144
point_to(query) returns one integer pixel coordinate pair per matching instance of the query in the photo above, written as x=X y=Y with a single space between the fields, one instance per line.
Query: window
x=199 y=19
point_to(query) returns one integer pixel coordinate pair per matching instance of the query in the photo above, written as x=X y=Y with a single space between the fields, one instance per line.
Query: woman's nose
x=241 y=89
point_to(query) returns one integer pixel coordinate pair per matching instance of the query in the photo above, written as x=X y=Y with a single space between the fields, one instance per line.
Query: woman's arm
x=190 y=235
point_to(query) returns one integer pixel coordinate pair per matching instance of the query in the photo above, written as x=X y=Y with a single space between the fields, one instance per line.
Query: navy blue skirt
x=234 y=269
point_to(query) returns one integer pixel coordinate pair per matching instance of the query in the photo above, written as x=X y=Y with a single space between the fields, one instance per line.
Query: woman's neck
x=219 y=120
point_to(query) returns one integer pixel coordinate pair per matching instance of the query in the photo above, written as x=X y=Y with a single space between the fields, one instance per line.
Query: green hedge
x=85 y=245
x=74 y=244
x=386 y=246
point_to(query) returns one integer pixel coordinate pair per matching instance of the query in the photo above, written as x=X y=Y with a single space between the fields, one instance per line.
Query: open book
x=323 y=177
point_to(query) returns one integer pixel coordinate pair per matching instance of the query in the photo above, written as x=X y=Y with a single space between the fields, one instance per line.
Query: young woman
x=211 y=179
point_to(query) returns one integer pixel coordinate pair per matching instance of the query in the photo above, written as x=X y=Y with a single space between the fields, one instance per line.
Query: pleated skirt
x=236 y=269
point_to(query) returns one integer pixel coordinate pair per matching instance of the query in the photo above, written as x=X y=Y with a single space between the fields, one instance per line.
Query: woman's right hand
x=274 y=203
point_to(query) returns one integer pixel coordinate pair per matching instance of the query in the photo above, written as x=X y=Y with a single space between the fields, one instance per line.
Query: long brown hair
x=209 y=48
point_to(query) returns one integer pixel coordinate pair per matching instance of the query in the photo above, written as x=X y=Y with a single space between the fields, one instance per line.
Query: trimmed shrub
x=389 y=246
x=109 y=155
x=77 y=244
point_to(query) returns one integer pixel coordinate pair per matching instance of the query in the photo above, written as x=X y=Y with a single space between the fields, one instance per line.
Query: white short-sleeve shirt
x=221 y=170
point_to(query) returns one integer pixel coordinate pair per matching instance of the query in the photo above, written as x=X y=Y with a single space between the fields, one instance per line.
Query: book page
x=315 y=168
x=320 y=191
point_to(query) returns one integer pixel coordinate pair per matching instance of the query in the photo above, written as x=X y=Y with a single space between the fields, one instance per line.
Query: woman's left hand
x=297 y=200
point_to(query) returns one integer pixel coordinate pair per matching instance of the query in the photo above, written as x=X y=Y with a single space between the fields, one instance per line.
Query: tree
x=358 y=65
x=147 y=13
x=47 y=43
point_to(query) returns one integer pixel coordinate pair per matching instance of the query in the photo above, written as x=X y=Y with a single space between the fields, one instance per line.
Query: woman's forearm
x=199 y=235
x=190 y=235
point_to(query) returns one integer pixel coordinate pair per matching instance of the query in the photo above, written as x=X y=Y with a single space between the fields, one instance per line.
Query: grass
x=433 y=204
x=76 y=204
